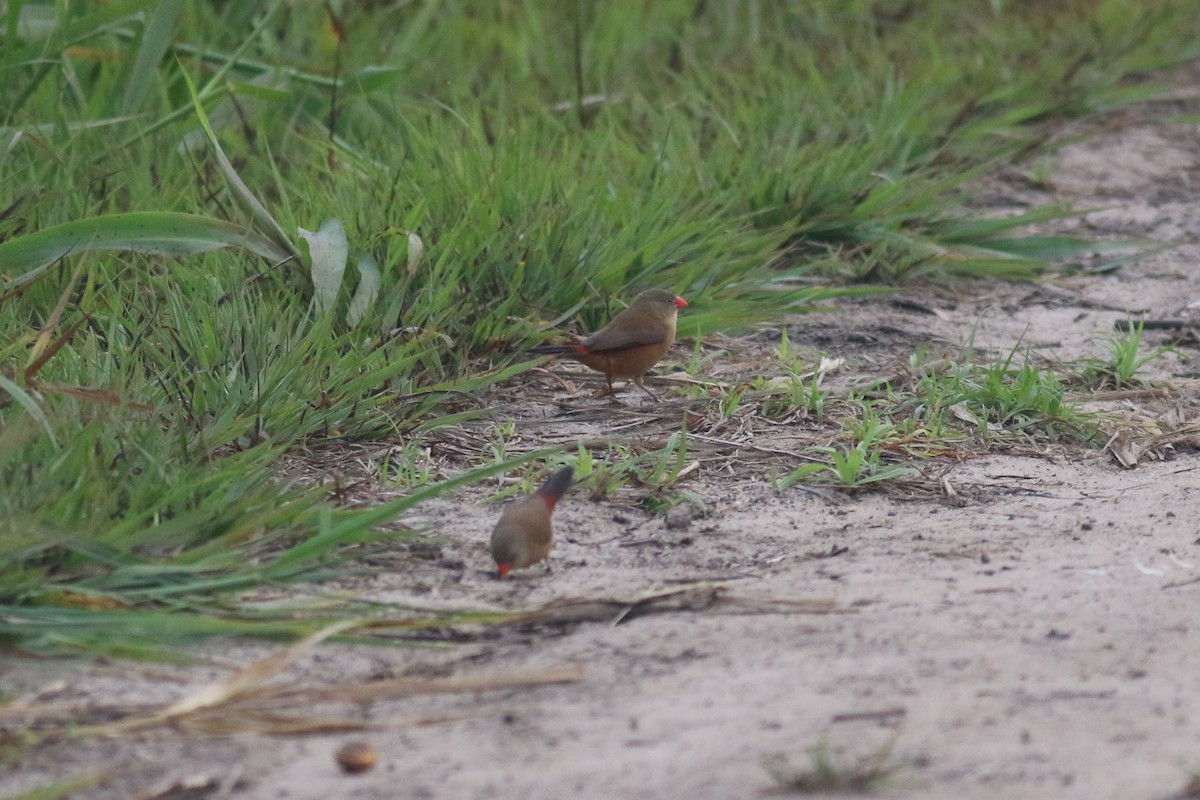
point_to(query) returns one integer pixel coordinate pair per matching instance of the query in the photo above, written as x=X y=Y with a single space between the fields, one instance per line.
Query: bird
x=523 y=536
x=631 y=343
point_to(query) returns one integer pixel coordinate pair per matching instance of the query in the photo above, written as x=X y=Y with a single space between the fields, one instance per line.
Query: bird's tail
x=556 y=349
x=556 y=486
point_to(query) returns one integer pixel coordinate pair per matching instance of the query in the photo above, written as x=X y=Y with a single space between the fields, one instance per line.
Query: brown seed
x=356 y=757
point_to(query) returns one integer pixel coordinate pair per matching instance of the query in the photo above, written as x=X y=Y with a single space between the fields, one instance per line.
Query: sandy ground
x=1034 y=635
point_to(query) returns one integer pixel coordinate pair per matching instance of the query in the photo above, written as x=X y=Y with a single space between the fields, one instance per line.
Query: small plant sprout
x=856 y=466
x=862 y=464
x=731 y=400
x=499 y=437
x=785 y=402
x=612 y=471
x=670 y=463
x=1002 y=398
x=823 y=775
x=585 y=464
x=696 y=361
x=816 y=398
x=407 y=467
x=798 y=475
x=1124 y=361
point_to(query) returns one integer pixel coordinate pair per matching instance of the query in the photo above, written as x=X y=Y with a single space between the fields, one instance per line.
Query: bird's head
x=659 y=300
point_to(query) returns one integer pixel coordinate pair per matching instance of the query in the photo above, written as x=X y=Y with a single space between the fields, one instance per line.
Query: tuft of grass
x=63 y=788
x=1001 y=398
x=1003 y=403
x=1125 y=360
x=860 y=464
x=410 y=466
x=823 y=775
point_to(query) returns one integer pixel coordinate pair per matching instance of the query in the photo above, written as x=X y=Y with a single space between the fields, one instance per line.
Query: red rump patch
x=502 y=569
x=550 y=502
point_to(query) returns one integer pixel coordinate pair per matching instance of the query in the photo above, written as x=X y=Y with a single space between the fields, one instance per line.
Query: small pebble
x=356 y=757
x=679 y=518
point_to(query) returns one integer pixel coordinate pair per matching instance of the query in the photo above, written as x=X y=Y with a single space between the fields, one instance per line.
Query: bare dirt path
x=1033 y=635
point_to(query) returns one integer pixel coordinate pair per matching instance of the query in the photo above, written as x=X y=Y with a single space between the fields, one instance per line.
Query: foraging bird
x=632 y=342
x=523 y=535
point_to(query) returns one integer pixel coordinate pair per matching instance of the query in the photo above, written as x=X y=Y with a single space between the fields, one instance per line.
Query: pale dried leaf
x=255 y=675
x=328 y=250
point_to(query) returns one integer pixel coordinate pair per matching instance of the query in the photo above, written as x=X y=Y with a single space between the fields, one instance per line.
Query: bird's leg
x=644 y=388
x=610 y=392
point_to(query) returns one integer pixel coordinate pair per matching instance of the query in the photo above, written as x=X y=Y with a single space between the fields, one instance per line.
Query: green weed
x=1125 y=360
x=1001 y=398
x=823 y=775
x=856 y=465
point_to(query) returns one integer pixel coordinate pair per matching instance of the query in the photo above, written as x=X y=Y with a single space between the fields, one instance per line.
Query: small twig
x=1177 y=584
x=1120 y=394
x=1126 y=325
x=882 y=714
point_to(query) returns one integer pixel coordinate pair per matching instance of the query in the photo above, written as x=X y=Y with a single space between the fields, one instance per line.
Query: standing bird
x=632 y=341
x=523 y=535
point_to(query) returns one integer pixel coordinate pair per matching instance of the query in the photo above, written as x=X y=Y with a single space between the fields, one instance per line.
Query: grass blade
x=158 y=232
x=241 y=192
x=156 y=38
x=30 y=405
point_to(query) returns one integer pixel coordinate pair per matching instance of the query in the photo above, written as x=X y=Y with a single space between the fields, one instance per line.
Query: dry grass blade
x=392 y=688
x=696 y=597
x=252 y=712
x=200 y=785
x=819 y=606
x=30 y=712
x=1121 y=395
x=91 y=395
x=575 y=610
x=1128 y=444
x=243 y=704
x=233 y=687
x=234 y=722
x=253 y=676
x=39 y=354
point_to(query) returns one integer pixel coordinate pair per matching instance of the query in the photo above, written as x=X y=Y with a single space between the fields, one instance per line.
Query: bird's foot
x=645 y=389
x=610 y=393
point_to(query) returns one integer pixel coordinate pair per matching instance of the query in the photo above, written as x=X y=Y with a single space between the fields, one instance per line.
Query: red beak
x=680 y=302
x=502 y=569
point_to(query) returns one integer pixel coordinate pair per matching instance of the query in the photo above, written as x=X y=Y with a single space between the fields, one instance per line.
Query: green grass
x=824 y=775
x=63 y=788
x=166 y=334
x=948 y=408
x=1001 y=398
x=1125 y=359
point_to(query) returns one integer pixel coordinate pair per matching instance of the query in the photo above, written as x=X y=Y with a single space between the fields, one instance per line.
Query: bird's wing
x=625 y=332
